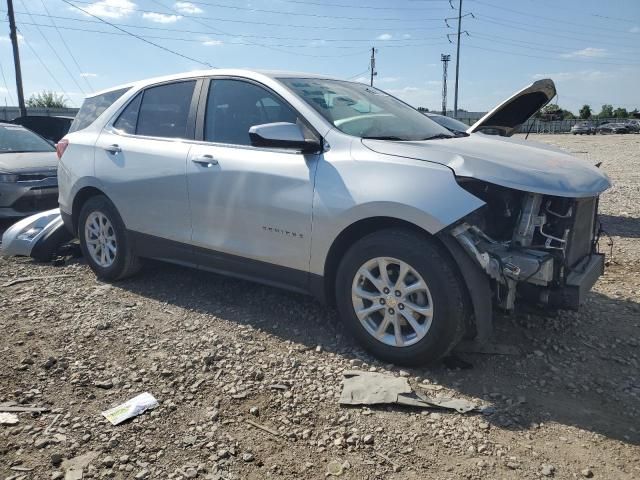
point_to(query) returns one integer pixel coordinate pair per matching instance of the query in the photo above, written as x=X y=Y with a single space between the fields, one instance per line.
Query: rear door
x=141 y=159
x=249 y=203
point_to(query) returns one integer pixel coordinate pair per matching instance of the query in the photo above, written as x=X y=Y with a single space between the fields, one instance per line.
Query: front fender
x=376 y=185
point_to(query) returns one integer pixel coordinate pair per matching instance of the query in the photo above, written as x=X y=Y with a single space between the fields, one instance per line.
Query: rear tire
x=437 y=312
x=104 y=240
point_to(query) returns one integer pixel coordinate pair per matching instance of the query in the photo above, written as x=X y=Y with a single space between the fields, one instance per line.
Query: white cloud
x=406 y=35
x=212 y=43
x=635 y=29
x=362 y=80
x=160 y=17
x=187 y=8
x=583 y=75
x=88 y=75
x=384 y=36
x=589 y=52
x=6 y=39
x=111 y=8
x=388 y=79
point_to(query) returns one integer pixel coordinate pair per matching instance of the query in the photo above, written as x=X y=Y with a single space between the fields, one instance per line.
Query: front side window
x=93 y=107
x=364 y=111
x=164 y=110
x=234 y=106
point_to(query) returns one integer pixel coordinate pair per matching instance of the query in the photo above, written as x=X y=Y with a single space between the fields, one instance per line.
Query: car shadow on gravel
x=576 y=368
x=620 y=226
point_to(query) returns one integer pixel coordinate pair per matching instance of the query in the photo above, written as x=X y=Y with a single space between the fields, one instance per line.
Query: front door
x=142 y=161
x=250 y=207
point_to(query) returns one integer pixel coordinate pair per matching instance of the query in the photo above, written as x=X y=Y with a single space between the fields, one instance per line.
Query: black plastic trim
x=150 y=246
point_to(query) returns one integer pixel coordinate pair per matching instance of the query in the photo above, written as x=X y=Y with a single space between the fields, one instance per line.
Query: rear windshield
x=14 y=138
x=93 y=107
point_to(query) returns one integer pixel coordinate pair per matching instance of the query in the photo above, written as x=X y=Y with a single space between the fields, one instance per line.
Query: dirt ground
x=217 y=352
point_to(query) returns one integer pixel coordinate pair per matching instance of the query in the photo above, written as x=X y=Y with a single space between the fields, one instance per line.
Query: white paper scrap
x=130 y=408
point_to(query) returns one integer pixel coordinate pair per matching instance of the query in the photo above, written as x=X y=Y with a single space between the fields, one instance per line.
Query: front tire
x=104 y=240
x=398 y=293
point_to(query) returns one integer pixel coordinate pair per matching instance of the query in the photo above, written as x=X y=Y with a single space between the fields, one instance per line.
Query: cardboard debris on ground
x=373 y=388
x=131 y=408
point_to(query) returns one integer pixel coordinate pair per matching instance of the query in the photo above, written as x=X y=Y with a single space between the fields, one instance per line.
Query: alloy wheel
x=392 y=301
x=100 y=238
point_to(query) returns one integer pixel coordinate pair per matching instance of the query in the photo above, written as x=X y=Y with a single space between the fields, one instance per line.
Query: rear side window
x=129 y=117
x=93 y=107
x=164 y=110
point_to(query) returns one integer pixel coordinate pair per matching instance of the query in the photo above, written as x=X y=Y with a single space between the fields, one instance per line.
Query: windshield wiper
x=438 y=136
x=383 y=137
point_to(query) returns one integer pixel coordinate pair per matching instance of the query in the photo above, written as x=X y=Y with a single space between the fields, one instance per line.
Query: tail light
x=61 y=146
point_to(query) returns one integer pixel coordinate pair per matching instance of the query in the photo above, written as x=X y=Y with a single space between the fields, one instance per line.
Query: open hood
x=505 y=119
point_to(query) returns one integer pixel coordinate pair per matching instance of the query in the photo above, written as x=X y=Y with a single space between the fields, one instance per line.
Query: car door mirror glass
x=282 y=135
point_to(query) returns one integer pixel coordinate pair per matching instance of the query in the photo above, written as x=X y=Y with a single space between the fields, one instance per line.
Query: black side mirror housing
x=282 y=135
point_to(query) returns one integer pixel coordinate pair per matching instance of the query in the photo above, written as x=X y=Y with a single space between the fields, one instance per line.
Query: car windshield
x=449 y=123
x=14 y=138
x=364 y=111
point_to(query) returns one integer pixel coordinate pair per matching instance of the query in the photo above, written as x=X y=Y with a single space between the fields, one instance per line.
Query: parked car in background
x=583 y=128
x=28 y=172
x=633 y=126
x=610 y=128
x=53 y=128
x=335 y=189
x=451 y=124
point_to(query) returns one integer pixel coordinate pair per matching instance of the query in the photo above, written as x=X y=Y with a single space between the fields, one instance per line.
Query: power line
x=181 y=30
x=548 y=32
x=549 y=58
x=195 y=20
x=55 y=52
x=550 y=19
x=6 y=86
x=312 y=15
x=238 y=43
x=288 y=25
x=44 y=65
x=525 y=44
x=80 y=71
x=365 y=7
x=138 y=36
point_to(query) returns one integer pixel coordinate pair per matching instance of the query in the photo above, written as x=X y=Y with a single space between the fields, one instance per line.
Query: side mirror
x=282 y=135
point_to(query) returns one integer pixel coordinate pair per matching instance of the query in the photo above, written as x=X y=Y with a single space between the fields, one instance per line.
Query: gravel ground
x=217 y=352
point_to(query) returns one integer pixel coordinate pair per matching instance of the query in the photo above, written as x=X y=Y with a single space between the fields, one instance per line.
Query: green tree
x=423 y=109
x=585 y=112
x=47 y=99
x=607 y=111
x=620 y=112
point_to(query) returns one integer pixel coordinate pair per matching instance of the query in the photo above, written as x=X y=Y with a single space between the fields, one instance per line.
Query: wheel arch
x=80 y=198
x=477 y=292
x=350 y=235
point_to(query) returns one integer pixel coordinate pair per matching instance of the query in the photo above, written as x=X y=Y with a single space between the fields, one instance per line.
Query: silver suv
x=335 y=189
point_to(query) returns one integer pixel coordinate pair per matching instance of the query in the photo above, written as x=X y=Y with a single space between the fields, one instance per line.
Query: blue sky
x=590 y=48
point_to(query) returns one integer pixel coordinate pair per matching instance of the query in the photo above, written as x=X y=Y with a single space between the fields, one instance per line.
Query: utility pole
x=460 y=31
x=455 y=101
x=373 y=64
x=445 y=62
x=16 y=57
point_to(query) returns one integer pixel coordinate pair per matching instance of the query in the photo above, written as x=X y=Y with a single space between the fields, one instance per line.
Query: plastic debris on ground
x=131 y=408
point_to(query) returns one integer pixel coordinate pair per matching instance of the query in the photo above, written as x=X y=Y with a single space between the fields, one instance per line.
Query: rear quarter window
x=93 y=107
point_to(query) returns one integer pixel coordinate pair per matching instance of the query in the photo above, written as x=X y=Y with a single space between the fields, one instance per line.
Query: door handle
x=113 y=149
x=205 y=160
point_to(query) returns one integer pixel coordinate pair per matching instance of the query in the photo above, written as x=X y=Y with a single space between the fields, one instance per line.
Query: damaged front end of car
x=538 y=248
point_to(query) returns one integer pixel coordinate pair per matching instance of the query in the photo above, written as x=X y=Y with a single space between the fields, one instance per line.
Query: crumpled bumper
x=23 y=236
